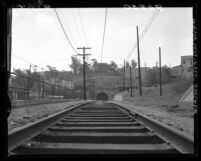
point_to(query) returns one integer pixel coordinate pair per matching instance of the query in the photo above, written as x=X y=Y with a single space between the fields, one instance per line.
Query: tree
x=17 y=80
x=127 y=64
x=87 y=68
x=113 y=67
x=152 y=77
x=133 y=63
x=75 y=65
x=95 y=63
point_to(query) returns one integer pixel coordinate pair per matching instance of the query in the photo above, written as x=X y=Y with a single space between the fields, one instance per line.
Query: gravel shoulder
x=180 y=117
x=23 y=115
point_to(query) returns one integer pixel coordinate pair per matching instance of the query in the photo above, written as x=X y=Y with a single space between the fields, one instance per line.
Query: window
x=184 y=62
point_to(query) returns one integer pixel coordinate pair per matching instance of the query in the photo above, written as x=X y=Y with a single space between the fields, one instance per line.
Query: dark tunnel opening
x=102 y=96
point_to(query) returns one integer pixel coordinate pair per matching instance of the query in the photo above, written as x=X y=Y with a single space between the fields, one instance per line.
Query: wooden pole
x=160 y=71
x=84 y=78
x=131 y=81
x=139 y=72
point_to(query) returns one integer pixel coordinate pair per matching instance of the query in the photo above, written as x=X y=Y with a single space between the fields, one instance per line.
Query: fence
x=26 y=88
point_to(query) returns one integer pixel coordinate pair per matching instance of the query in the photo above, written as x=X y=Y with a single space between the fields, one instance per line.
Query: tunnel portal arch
x=102 y=96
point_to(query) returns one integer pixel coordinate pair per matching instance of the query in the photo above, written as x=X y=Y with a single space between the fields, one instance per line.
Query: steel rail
x=174 y=137
x=19 y=135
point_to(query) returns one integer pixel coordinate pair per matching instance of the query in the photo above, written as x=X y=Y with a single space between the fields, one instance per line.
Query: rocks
x=168 y=114
x=164 y=105
x=22 y=116
x=12 y=123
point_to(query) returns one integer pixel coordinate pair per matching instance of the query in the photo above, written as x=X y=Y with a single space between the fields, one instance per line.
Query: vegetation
x=93 y=69
x=77 y=67
x=182 y=84
x=153 y=77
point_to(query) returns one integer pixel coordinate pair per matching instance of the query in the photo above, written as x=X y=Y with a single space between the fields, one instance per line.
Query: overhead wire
x=28 y=62
x=65 y=32
x=53 y=16
x=76 y=25
x=103 y=44
x=104 y=34
x=83 y=29
x=143 y=32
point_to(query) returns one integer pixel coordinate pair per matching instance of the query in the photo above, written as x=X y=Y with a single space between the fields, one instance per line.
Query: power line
x=76 y=25
x=135 y=45
x=66 y=22
x=109 y=58
x=32 y=64
x=65 y=31
x=149 y=25
x=83 y=30
x=103 y=46
x=143 y=32
x=53 y=61
x=104 y=34
x=56 y=23
x=22 y=59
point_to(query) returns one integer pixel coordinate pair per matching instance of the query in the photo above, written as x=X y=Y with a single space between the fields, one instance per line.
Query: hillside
x=165 y=108
x=170 y=95
x=109 y=80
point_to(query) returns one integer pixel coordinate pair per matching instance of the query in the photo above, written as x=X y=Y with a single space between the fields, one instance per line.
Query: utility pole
x=139 y=73
x=131 y=81
x=117 y=86
x=84 y=79
x=160 y=71
x=145 y=70
x=124 y=75
x=90 y=87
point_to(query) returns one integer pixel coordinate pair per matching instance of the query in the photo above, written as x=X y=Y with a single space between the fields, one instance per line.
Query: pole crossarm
x=83 y=54
x=84 y=48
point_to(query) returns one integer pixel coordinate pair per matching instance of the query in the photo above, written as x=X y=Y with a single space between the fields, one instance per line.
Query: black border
x=4 y=5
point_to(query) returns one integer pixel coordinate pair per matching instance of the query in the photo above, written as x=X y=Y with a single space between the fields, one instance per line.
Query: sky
x=38 y=38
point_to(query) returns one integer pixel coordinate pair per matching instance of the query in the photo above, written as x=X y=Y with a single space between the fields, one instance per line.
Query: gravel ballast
x=23 y=115
x=176 y=117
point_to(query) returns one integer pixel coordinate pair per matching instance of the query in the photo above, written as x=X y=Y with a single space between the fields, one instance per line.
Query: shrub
x=182 y=85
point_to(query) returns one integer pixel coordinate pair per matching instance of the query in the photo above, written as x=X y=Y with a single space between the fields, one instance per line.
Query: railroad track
x=97 y=128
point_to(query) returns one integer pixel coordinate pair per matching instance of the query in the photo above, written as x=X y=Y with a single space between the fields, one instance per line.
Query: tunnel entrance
x=102 y=96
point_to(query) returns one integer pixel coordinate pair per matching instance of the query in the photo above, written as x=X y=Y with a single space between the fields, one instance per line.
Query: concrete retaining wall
x=188 y=96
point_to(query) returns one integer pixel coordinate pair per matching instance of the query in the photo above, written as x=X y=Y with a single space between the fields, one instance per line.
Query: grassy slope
x=152 y=96
x=165 y=108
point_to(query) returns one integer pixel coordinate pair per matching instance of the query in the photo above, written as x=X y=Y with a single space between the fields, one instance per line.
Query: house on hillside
x=186 y=67
x=69 y=84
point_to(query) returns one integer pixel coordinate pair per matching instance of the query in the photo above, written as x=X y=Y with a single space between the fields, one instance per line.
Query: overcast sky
x=37 y=36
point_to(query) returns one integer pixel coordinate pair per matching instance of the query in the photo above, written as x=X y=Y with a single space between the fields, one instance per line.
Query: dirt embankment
x=165 y=108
